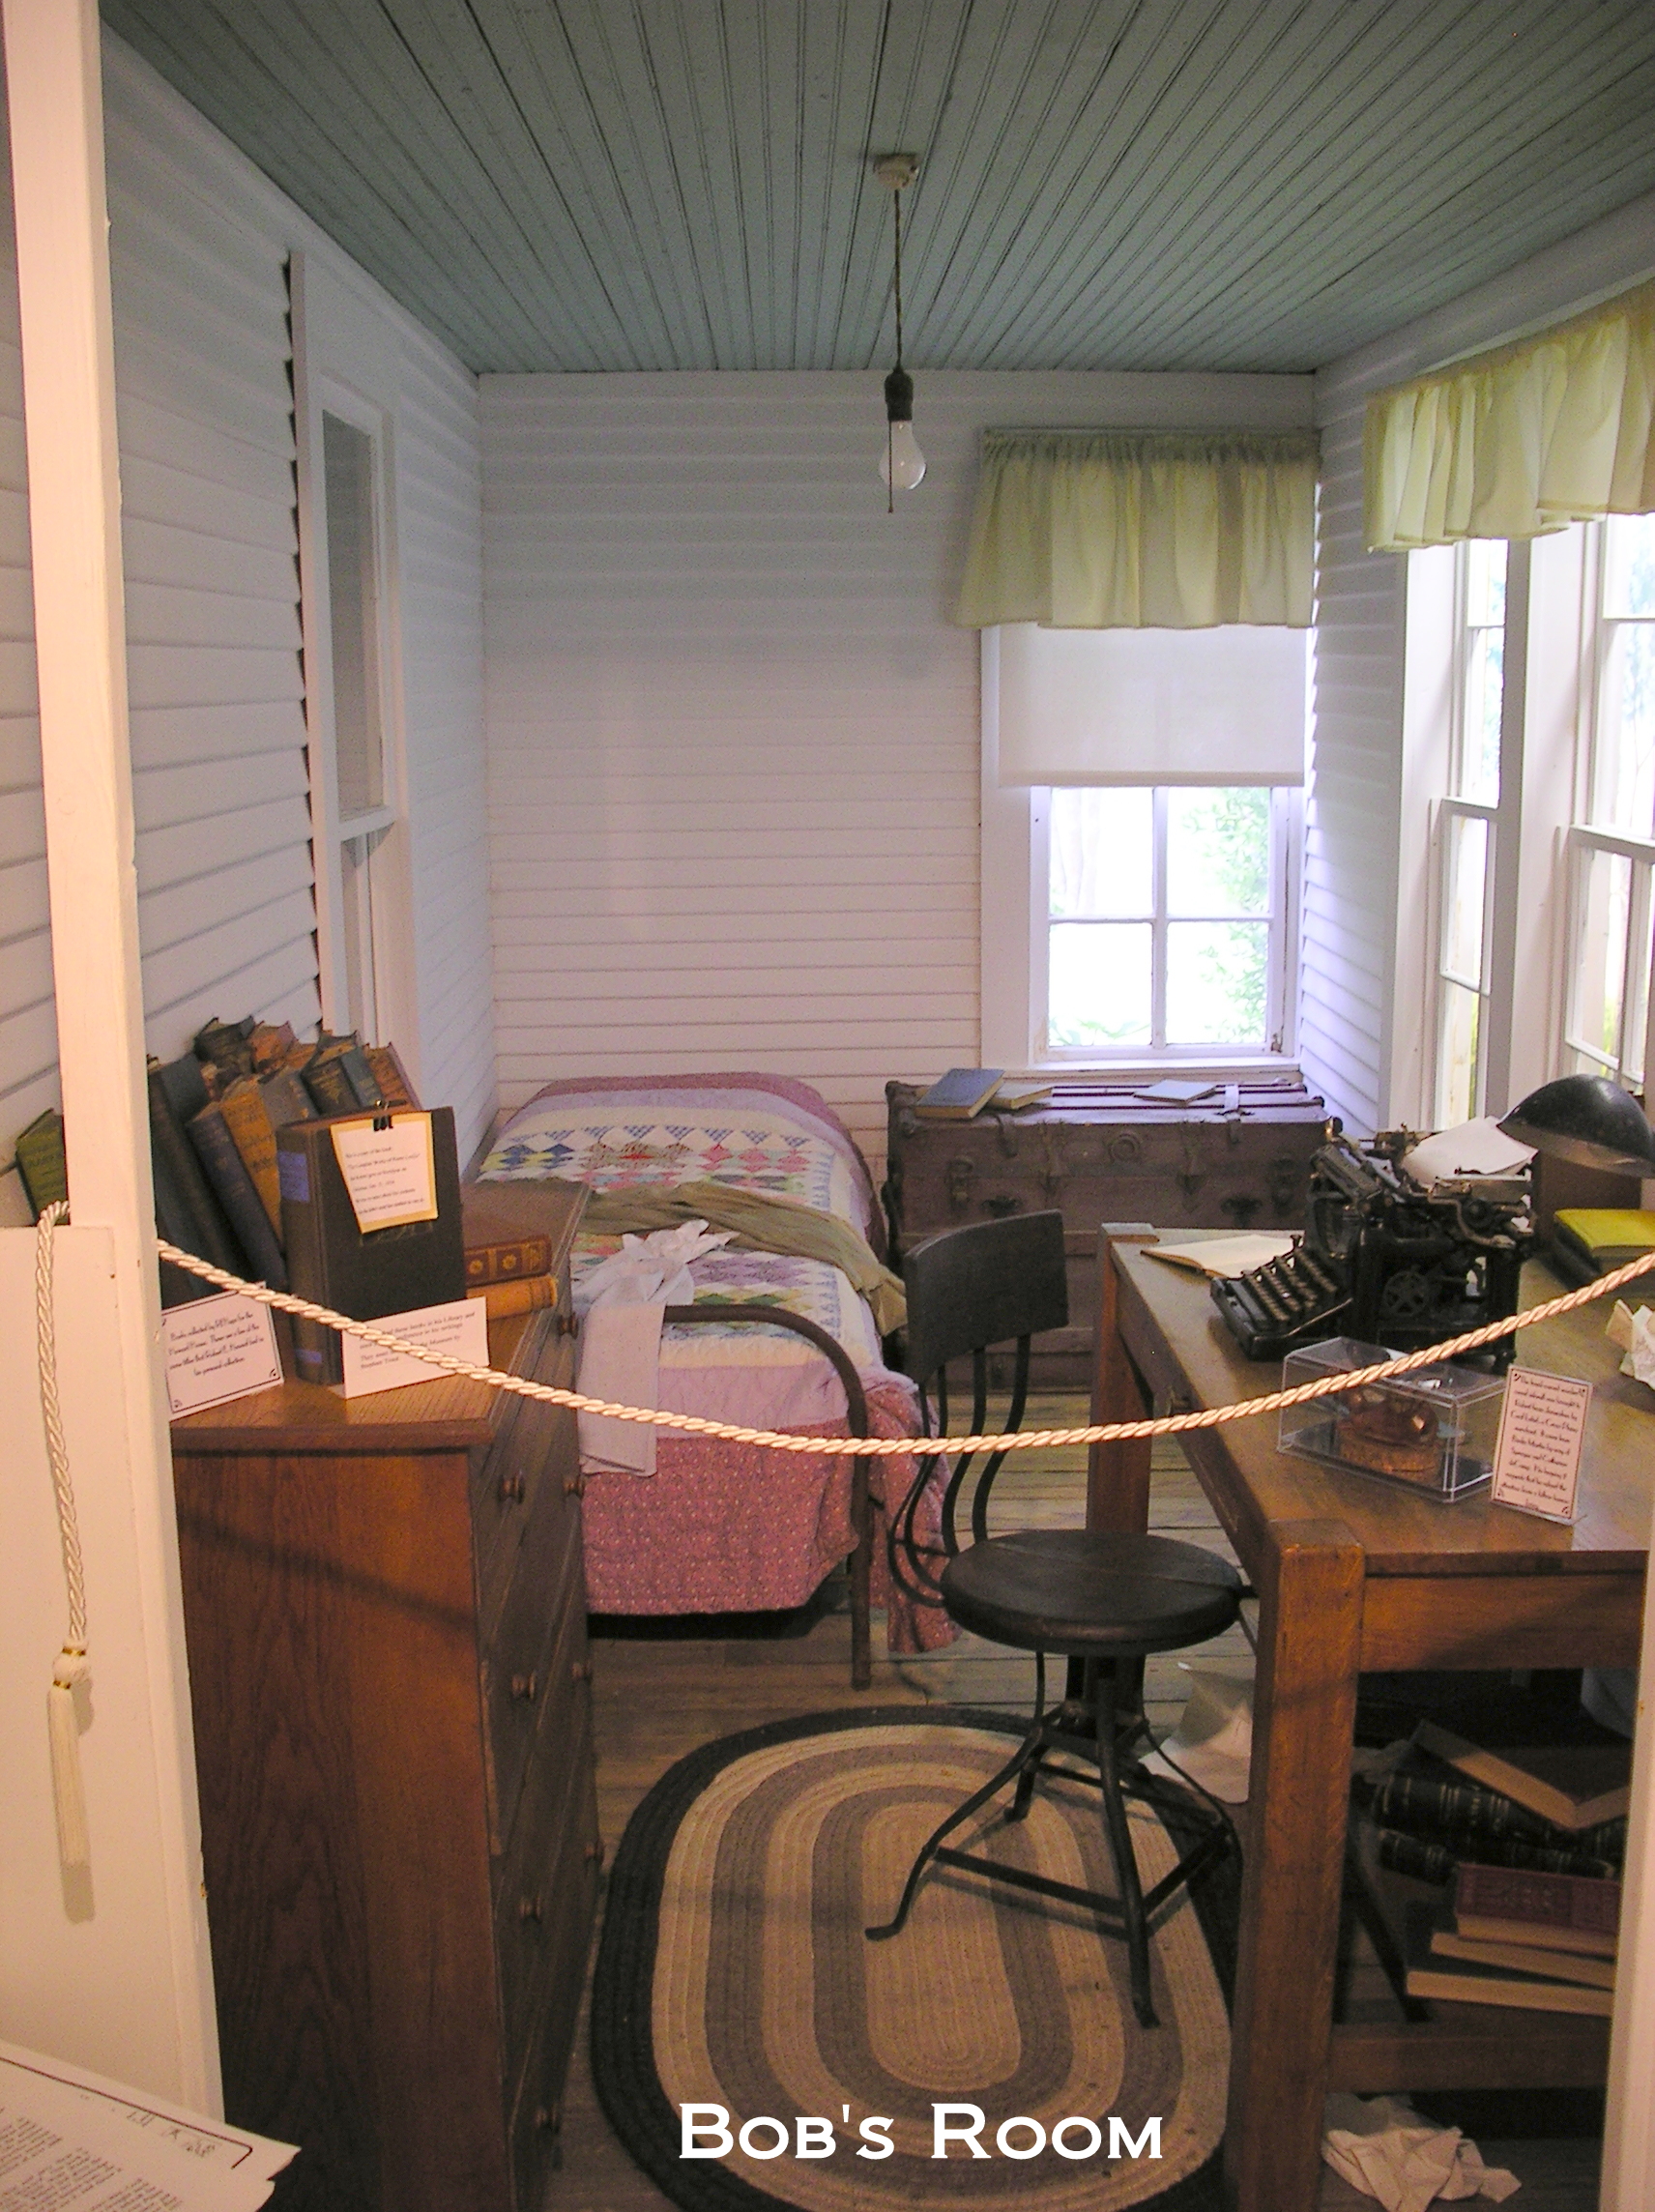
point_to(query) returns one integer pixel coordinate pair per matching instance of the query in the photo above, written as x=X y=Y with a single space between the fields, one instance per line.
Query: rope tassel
x=68 y=1793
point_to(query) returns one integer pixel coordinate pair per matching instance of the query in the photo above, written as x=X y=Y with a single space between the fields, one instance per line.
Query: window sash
x=1273 y=921
x=1621 y=961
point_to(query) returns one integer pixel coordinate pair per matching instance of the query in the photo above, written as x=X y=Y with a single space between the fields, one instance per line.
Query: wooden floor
x=656 y=1697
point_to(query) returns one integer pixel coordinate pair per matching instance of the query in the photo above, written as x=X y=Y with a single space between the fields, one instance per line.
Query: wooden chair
x=1101 y=1602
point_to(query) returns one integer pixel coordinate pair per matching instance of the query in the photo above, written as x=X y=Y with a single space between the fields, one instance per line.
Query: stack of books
x=963 y=1092
x=1543 y=1942
x=513 y=1232
x=1449 y=1803
x=1587 y=1241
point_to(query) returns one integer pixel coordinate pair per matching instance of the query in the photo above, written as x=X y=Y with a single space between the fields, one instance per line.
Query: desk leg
x=1118 y=1474
x=1304 y=1715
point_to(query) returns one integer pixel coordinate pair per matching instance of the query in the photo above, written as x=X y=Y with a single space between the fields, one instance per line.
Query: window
x=1611 y=852
x=1127 y=921
x=1166 y=921
x=351 y=527
x=345 y=363
x=1468 y=833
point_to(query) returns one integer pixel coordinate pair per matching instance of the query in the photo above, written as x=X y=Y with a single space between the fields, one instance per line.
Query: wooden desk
x=1353 y=1574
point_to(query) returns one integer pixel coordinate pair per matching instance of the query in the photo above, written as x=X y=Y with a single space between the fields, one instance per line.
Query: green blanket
x=761 y=1224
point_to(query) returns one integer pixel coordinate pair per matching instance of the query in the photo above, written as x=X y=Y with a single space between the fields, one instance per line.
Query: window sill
x=1160 y=1065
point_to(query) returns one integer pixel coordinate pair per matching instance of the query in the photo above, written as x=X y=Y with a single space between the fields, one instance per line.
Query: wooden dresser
x=386 y=1613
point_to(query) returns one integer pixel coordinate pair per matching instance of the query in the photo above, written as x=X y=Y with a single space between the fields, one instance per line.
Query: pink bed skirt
x=725 y=1527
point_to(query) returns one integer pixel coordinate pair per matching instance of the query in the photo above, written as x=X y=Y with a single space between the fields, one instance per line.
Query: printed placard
x=390 y=1169
x=216 y=1349
x=1542 y=1432
x=460 y=1329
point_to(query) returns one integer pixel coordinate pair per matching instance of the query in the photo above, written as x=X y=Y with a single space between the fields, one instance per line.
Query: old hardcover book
x=269 y=1043
x=1558 y=1911
x=42 y=1162
x=1575 y=1786
x=246 y=1117
x=1438 y=1858
x=960 y=1095
x=1463 y=1982
x=178 y=1092
x=325 y=1080
x=1429 y=1799
x=1525 y=1959
x=530 y=1293
x=285 y=1101
x=225 y=1046
x=391 y=1075
x=357 y=1273
x=237 y=1193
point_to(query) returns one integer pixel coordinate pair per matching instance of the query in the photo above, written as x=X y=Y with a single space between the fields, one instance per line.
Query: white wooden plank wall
x=1349 y=943
x=199 y=241
x=732 y=731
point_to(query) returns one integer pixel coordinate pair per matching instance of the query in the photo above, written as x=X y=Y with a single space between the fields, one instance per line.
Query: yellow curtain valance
x=1549 y=430
x=1141 y=530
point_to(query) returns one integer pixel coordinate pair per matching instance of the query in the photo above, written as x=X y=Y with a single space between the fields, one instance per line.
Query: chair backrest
x=985 y=1284
x=992 y=1282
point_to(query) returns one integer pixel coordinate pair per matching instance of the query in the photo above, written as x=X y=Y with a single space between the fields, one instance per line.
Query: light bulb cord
x=896 y=213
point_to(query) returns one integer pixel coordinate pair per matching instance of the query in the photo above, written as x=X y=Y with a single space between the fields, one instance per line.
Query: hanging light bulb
x=902 y=465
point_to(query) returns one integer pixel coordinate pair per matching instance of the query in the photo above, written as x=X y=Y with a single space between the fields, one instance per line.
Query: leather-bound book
x=340 y=1080
x=41 y=1161
x=246 y=1117
x=225 y=1046
x=269 y=1043
x=237 y=1193
x=362 y=1273
x=390 y=1075
x=512 y=1228
x=178 y=1092
x=285 y=1101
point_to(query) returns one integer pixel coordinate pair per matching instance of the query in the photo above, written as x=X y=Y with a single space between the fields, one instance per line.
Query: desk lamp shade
x=1589 y=1120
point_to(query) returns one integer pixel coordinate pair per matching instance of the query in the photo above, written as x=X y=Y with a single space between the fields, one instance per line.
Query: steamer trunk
x=1236 y=1158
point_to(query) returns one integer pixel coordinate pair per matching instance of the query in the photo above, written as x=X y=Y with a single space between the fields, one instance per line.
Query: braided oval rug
x=733 y=1972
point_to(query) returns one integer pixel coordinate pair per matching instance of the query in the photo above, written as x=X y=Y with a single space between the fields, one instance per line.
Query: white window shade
x=1203 y=707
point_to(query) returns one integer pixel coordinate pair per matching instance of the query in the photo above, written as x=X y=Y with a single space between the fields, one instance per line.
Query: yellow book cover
x=247 y=1119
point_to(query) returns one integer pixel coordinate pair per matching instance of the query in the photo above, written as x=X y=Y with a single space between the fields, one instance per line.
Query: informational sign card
x=460 y=1329
x=72 y=2139
x=388 y=1167
x=216 y=1349
x=1541 y=1431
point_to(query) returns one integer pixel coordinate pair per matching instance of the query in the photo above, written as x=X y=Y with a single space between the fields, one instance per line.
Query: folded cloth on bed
x=762 y=1222
x=624 y=1301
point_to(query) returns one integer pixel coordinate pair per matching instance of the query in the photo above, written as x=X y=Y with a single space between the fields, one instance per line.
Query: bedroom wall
x=732 y=730
x=199 y=241
x=1359 y=918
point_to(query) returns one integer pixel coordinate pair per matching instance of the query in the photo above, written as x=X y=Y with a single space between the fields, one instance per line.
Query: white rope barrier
x=894 y=1448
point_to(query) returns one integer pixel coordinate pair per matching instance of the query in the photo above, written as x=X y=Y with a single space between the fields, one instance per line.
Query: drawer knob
x=549 y=2118
x=581 y=1670
x=526 y=1686
x=568 y=1324
x=513 y=1490
x=531 y=1909
x=575 y=1485
x=595 y=1854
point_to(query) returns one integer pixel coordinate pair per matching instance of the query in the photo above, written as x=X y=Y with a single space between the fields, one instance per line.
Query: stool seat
x=1091 y=1595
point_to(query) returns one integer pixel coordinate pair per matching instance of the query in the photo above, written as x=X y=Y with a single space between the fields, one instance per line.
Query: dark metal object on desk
x=1385 y=1260
x=1589 y=1120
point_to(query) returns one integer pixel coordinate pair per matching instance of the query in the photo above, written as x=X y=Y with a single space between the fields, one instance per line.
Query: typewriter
x=1386 y=1258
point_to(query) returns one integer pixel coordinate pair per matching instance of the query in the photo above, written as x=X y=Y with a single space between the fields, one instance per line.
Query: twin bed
x=722 y=1528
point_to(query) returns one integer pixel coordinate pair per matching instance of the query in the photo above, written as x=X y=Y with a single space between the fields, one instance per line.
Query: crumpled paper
x=1632 y=1329
x=1383 y=2147
x=1212 y=1743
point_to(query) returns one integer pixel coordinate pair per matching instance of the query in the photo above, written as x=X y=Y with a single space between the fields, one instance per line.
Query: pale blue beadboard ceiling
x=1103 y=183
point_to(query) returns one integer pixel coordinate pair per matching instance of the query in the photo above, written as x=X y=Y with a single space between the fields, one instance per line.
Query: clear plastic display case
x=1432 y=1431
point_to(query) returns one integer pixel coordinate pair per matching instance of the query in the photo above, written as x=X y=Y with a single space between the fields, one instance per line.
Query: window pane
x=1624 y=778
x=1605 y=888
x=1457 y=1056
x=1218 y=852
x=1099 y=985
x=1102 y=852
x=1463 y=900
x=1629 y=565
x=1485 y=581
x=1216 y=982
x=353 y=602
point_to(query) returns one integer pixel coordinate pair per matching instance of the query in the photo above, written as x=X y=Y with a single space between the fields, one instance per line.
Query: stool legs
x=1117 y=1833
x=1033 y=1746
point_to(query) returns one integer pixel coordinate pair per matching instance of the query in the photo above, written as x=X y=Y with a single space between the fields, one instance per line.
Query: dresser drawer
x=521 y=1487
x=551 y=1865
x=550 y=2009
